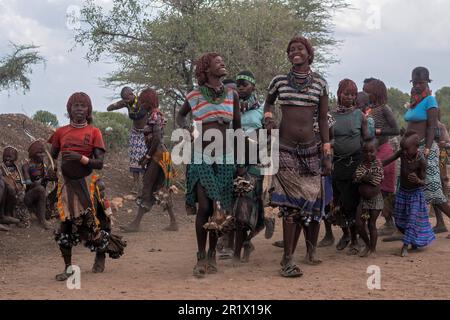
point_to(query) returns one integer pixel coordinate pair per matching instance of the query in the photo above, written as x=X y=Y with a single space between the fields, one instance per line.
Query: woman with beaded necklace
x=303 y=95
x=82 y=151
x=349 y=132
x=210 y=179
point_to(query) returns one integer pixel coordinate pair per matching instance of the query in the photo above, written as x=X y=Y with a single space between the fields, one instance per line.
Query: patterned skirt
x=411 y=217
x=376 y=203
x=216 y=179
x=138 y=148
x=297 y=185
x=433 y=188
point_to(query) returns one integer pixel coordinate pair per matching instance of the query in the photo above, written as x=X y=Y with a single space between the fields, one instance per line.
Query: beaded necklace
x=299 y=80
x=210 y=94
x=78 y=125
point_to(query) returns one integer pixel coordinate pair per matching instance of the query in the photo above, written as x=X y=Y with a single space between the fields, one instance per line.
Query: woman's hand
x=326 y=170
x=413 y=178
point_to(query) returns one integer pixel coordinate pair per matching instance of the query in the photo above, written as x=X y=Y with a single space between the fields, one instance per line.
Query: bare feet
x=99 y=264
x=211 y=267
x=248 y=249
x=312 y=260
x=404 y=252
x=201 y=266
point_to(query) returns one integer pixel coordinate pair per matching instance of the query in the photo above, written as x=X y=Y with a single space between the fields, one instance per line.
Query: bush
x=115 y=128
x=47 y=118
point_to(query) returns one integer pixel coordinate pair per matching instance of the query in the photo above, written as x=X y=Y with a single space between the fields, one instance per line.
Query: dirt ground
x=158 y=264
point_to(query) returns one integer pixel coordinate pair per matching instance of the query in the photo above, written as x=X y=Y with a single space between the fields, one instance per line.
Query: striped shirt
x=289 y=96
x=205 y=111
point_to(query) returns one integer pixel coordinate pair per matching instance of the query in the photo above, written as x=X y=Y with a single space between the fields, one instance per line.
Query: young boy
x=13 y=189
x=369 y=175
x=36 y=176
x=411 y=208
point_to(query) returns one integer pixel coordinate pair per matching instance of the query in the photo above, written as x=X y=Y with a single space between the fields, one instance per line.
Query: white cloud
x=412 y=33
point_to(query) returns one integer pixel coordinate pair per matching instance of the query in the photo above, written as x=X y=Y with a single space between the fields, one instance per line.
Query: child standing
x=369 y=175
x=411 y=209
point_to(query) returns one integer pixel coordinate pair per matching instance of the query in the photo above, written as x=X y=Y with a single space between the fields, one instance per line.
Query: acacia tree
x=156 y=43
x=47 y=118
x=398 y=101
x=15 y=68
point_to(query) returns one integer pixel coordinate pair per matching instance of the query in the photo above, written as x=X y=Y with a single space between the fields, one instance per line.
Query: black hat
x=421 y=73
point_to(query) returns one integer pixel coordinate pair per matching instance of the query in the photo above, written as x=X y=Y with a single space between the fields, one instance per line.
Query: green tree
x=47 y=118
x=158 y=46
x=15 y=68
x=398 y=101
x=443 y=99
x=115 y=128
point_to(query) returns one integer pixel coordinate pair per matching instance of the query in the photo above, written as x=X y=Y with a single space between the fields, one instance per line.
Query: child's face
x=39 y=157
x=370 y=151
x=411 y=145
x=411 y=149
x=9 y=158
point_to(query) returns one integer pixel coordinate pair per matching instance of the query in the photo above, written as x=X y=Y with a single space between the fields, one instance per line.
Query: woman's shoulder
x=430 y=102
x=194 y=93
x=319 y=78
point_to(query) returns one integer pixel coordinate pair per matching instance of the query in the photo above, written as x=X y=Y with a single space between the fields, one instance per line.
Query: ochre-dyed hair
x=306 y=43
x=148 y=99
x=202 y=65
x=347 y=85
x=377 y=88
x=80 y=97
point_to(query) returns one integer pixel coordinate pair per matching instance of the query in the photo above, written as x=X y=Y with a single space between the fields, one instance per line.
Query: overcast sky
x=381 y=38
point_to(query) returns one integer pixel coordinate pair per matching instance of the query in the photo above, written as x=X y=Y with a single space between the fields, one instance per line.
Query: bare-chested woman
x=210 y=181
x=139 y=114
x=297 y=185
